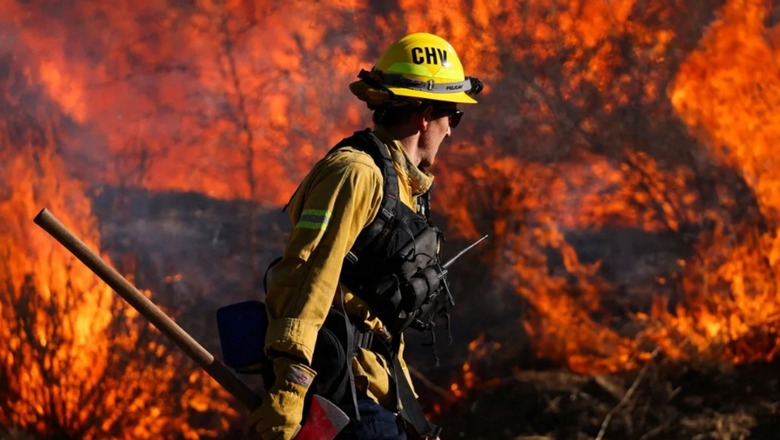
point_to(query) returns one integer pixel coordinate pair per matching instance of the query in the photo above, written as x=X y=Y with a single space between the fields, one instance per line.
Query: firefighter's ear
x=425 y=116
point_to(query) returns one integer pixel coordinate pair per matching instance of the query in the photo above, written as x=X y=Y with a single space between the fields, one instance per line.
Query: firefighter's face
x=438 y=119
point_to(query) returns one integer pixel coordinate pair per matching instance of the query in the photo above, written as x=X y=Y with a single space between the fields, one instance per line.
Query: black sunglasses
x=452 y=114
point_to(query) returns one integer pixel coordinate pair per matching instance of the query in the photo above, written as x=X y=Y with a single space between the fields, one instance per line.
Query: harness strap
x=409 y=408
x=411 y=411
x=350 y=353
x=367 y=142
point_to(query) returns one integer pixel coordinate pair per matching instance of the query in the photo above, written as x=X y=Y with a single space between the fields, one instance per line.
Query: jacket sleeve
x=335 y=202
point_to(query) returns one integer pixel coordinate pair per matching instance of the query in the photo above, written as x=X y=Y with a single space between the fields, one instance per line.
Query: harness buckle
x=386 y=215
x=364 y=339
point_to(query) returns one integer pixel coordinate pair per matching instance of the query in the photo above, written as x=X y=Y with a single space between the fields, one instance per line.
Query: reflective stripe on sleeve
x=313 y=219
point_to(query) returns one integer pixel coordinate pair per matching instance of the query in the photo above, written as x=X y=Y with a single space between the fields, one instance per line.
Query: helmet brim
x=458 y=97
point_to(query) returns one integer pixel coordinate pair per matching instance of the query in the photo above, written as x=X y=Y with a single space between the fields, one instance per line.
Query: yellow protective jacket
x=338 y=198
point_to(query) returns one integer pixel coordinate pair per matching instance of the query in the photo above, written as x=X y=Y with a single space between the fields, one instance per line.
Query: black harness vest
x=394 y=262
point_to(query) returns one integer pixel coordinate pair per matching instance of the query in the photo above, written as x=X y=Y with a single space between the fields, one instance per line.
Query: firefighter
x=332 y=329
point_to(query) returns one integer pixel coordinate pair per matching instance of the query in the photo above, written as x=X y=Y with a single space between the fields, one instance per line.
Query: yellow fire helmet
x=417 y=67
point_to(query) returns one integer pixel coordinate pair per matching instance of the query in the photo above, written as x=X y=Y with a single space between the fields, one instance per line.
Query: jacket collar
x=420 y=180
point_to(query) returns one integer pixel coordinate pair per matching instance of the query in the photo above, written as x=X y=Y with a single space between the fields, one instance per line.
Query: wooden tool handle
x=213 y=366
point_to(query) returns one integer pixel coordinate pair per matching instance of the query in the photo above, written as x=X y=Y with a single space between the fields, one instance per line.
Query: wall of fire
x=621 y=159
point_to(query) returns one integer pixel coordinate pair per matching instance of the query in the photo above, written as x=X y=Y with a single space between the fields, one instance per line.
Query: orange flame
x=727 y=92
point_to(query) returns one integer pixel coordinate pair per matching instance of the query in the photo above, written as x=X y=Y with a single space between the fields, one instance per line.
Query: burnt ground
x=662 y=401
x=191 y=251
